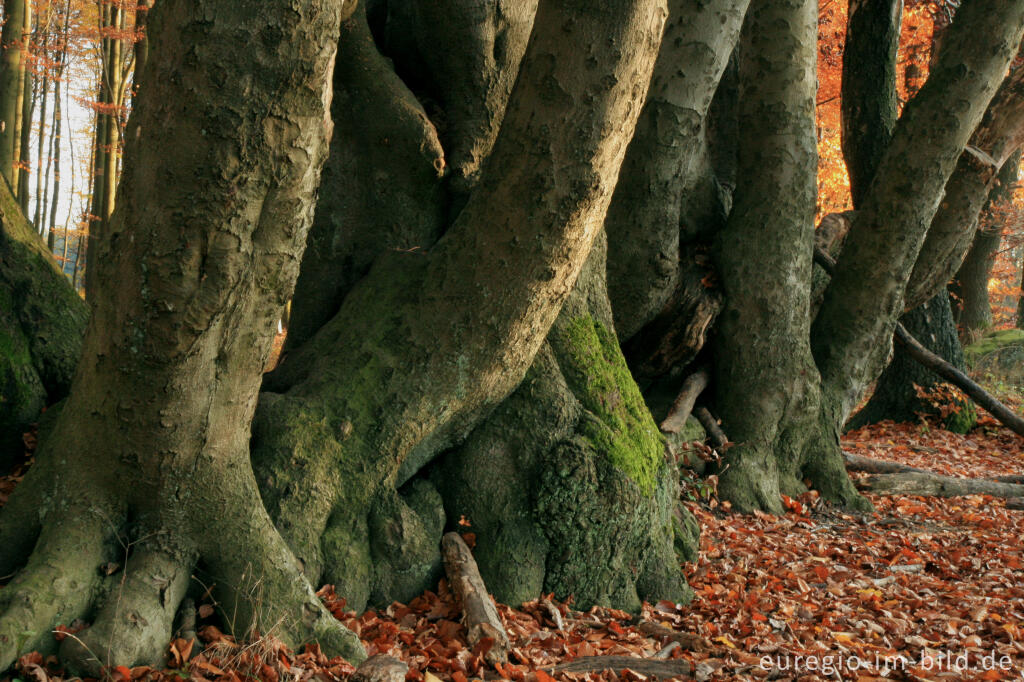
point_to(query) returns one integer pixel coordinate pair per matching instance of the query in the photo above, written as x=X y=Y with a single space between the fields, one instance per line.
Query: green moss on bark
x=622 y=427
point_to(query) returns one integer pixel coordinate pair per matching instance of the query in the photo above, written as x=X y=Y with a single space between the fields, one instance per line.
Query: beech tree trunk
x=375 y=537
x=973 y=311
x=14 y=48
x=198 y=262
x=784 y=419
x=896 y=392
x=201 y=254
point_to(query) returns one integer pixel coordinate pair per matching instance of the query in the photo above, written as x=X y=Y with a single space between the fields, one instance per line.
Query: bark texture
x=566 y=483
x=998 y=136
x=896 y=392
x=432 y=340
x=227 y=144
x=766 y=382
x=973 y=312
x=13 y=48
x=869 y=88
x=663 y=164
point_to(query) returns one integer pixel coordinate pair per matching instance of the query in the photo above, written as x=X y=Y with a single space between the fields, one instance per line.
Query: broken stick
x=481 y=616
x=643 y=666
x=683 y=406
x=686 y=640
x=710 y=424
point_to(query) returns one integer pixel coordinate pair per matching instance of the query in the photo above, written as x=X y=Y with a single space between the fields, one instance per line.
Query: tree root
x=136 y=620
x=20 y=518
x=877 y=466
x=58 y=584
x=750 y=480
x=259 y=583
x=262 y=590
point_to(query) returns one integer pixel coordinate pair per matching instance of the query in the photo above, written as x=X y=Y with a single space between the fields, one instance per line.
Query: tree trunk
x=15 y=58
x=852 y=331
x=105 y=145
x=1020 y=301
x=571 y=468
x=869 y=88
x=23 y=122
x=999 y=135
x=202 y=255
x=203 y=249
x=973 y=312
x=427 y=382
x=41 y=326
x=765 y=378
x=663 y=164
x=896 y=393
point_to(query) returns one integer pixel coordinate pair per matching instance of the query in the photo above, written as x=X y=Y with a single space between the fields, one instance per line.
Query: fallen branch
x=687 y=640
x=481 y=616
x=983 y=398
x=877 y=466
x=936 y=485
x=380 y=668
x=710 y=424
x=643 y=666
x=1009 y=479
x=683 y=406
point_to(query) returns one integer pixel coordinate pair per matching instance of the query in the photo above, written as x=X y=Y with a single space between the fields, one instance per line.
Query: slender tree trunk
x=1020 y=302
x=15 y=56
x=141 y=46
x=38 y=215
x=24 y=114
x=102 y=148
x=55 y=151
x=973 y=311
x=869 y=88
x=999 y=135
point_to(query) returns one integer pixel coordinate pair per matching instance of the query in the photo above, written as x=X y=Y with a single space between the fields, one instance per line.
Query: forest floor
x=921 y=589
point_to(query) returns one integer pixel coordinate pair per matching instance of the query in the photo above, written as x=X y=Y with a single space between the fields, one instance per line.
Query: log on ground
x=643 y=666
x=481 y=615
x=937 y=485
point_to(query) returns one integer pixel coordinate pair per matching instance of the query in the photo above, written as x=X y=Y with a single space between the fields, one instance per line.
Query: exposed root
x=58 y=584
x=136 y=620
x=263 y=590
x=750 y=484
x=19 y=522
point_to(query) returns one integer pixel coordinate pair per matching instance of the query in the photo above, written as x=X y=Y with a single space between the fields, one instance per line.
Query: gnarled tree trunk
x=204 y=249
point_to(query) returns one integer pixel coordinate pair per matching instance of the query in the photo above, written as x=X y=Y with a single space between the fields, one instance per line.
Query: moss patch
x=621 y=426
x=992 y=342
x=999 y=356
